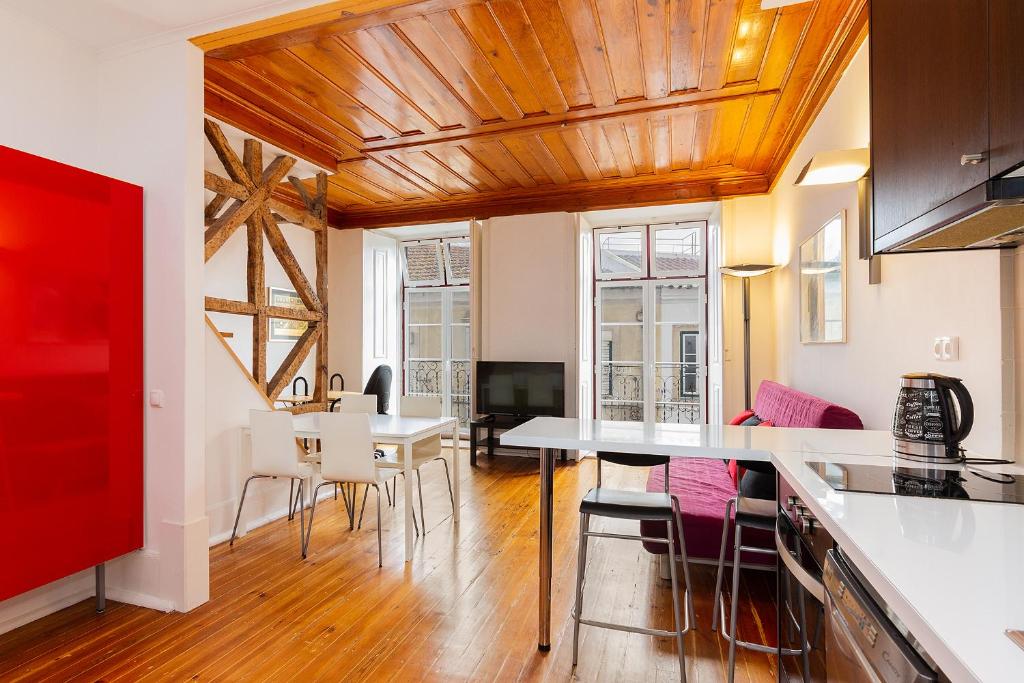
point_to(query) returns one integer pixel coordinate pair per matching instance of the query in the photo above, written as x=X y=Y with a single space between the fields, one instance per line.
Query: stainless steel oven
x=863 y=644
x=802 y=544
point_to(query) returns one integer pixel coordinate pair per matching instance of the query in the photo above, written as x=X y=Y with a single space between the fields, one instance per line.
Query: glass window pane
x=460 y=307
x=458 y=260
x=678 y=303
x=622 y=304
x=679 y=251
x=424 y=307
x=677 y=343
x=621 y=253
x=622 y=343
x=425 y=341
x=422 y=263
x=460 y=341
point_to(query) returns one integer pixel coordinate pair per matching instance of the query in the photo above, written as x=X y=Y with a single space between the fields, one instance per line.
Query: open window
x=423 y=264
x=621 y=253
x=678 y=250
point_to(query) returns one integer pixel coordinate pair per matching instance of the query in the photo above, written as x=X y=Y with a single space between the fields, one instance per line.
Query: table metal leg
x=101 y=588
x=455 y=473
x=547 y=480
x=406 y=449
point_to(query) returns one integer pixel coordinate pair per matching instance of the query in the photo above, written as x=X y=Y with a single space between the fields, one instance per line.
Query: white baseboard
x=38 y=603
x=140 y=599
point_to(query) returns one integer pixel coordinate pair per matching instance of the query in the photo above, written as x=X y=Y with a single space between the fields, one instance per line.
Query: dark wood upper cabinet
x=929 y=105
x=1006 y=131
x=947 y=124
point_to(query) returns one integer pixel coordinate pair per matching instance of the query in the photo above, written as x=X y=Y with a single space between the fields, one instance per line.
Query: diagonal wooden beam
x=214 y=207
x=303 y=191
x=287 y=212
x=222 y=148
x=291 y=362
x=218 y=233
x=289 y=263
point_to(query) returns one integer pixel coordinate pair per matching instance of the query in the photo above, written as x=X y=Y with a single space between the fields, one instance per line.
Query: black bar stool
x=635 y=505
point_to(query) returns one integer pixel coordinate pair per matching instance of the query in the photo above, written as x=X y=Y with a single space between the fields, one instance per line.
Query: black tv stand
x=490 y=423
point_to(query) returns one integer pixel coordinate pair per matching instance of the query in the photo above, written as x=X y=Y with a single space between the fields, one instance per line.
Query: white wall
x=528 y=292
x=345 y=304
x=136 y=117
x=890 y=326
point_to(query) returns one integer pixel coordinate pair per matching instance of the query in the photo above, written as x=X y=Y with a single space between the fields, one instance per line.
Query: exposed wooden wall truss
x=246 y=198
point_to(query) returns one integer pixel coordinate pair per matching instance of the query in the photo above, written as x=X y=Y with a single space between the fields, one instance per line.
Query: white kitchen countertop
x=952 y=571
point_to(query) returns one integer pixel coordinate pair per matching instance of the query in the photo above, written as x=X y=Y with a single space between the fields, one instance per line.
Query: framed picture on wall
x=823 y=284
x=281 y=329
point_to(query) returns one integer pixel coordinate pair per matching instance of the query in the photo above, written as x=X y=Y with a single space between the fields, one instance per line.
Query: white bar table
x=402 y=432
x=678 y=441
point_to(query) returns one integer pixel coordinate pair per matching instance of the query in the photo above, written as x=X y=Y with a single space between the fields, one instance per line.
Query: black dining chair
x=341 y=382
x=380 y=384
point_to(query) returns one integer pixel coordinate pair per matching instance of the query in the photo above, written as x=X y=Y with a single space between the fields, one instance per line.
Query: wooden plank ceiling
x=453 y=109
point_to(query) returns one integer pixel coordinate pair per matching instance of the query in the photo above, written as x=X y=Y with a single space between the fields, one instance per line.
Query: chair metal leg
x=380 y=543
x=598 y=472
x=312 y=509
x=581 y=569
x=366 y=492
x=302 y=520
x=691 y=617
x=666 y=477
x=734 y=607
x=291 y=499
x=449 y=478
x=419 y=486
x=353 y=496
x=238 y=515
x=721 y=563
x=675 y=603
x=335 y=491
x=388 y=492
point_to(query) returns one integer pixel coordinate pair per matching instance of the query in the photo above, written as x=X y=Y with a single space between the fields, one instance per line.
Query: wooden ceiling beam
x=229 y=108
x=578 y=200
x=693 y=100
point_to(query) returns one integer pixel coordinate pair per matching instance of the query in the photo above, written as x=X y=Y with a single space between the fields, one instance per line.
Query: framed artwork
x=281 y=329
x=823 y=284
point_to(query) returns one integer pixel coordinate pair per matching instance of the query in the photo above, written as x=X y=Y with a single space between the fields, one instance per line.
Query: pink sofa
x=704 y=485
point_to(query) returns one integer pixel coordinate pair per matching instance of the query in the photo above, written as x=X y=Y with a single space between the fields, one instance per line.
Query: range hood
x=988 y=216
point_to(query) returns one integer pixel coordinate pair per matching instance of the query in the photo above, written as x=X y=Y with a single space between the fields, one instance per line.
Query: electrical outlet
x=946 y=348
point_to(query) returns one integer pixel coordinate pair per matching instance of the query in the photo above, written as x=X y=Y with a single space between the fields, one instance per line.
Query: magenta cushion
x=703 y=487
x=787 y=407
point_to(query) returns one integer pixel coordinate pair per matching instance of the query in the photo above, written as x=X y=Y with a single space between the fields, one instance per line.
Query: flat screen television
x=520 y=388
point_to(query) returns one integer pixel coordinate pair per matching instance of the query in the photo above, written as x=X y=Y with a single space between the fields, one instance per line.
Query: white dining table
x=550 y=434
x=402 y=432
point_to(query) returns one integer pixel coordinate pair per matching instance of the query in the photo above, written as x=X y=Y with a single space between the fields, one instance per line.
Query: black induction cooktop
x=904 y=478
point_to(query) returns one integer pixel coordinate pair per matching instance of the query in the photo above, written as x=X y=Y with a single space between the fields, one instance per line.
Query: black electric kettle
x=927 y=424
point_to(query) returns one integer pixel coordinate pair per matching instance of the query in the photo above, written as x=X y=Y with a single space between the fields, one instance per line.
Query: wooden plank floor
x=464 y=610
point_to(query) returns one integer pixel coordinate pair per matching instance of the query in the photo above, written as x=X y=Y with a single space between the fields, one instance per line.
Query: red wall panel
x=71 y=420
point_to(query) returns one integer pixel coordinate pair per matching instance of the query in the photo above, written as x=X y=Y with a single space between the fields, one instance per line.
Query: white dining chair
x=346 y=457
x=424 y=451
x=358 y=403
x=274 y=455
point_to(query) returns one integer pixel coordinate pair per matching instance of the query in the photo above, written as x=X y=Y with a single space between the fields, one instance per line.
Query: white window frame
x=445 y=244
x=699 y=227
x=441 y=264
x=642 y=229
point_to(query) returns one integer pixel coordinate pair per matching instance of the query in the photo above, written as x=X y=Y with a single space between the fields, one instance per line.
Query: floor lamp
x=745 y=271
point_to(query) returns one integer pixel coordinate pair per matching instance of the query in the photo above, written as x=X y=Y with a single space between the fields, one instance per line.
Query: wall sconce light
x=848 y=166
